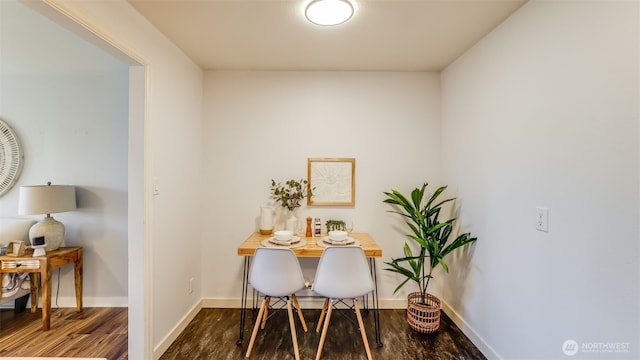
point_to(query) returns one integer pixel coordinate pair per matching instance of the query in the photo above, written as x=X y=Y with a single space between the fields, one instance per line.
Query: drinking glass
x=349 y=226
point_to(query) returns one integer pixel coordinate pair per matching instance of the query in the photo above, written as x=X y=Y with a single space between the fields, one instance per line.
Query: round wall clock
x=11 y=158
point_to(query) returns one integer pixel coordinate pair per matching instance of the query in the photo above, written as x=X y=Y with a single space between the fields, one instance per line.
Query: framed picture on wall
x=332 y=181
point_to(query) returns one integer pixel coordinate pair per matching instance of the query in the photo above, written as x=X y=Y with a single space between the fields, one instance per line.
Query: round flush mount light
x=329 y=12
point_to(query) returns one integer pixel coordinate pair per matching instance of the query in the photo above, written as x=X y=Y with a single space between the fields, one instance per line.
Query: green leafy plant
x=291 y=193
x=428 y=232
x=335 y=225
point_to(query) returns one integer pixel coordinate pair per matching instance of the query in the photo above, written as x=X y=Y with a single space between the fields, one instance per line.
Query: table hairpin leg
x=245 y=282
x=365 y=303
x=255 y=301
x=376 y=314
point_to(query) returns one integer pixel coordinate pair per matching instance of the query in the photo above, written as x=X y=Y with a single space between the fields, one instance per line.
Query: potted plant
x=335 y=225
x=432 y=239
x=290 y=196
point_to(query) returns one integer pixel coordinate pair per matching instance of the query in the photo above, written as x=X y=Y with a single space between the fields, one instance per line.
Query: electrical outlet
x=156 y=186
x=191 y=285
x=542 y=219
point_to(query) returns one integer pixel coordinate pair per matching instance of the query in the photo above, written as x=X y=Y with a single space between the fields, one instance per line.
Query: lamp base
x=51 y=229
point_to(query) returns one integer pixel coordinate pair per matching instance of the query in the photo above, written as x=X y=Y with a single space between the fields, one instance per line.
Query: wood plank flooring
x=96 y=332
x=213 y=334
x=102 y=332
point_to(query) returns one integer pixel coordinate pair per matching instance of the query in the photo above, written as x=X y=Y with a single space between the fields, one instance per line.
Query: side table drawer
x=20 y=264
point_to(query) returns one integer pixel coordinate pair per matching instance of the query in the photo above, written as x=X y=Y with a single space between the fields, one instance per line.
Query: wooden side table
x=40 y=269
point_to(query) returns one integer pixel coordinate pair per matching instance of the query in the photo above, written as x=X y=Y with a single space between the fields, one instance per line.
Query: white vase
x=267 y=220
x=292 y=222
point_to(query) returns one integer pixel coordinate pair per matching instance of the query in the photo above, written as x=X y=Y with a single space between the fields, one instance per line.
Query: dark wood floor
x=213 y=334
x=102 y=332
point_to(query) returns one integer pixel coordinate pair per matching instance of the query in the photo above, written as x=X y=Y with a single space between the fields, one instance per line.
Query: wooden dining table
x=310 y=247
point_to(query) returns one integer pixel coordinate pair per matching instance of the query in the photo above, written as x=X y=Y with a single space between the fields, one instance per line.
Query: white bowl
x=283 y=235
x=337 y=235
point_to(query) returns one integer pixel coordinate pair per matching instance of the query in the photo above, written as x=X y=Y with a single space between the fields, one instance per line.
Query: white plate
x=294 y=239
x=347 y=241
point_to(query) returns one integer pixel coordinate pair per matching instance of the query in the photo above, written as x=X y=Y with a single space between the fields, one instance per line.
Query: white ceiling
x=383 y=35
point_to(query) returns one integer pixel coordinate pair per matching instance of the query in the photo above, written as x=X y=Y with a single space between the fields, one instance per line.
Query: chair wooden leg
x=256 y=326
x=266 y=312
x=292 y=324
x=324 y=308
x=324 y=330
x=295 y=302
x=362 y=331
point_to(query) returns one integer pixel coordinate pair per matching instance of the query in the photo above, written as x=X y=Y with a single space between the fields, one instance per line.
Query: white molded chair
x=276 y=272
x=343 y=273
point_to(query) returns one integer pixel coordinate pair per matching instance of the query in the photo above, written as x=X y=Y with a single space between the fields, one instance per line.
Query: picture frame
x=332 y=181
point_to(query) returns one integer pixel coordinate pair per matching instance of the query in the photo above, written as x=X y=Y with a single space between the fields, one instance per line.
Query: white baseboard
x=210 y=303
x=177 y=330
x=305 y=302
x=475 y=338
x=94 y=302
x=70 y=302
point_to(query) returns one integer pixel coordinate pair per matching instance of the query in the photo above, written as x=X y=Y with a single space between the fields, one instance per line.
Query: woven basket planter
x=423 y=317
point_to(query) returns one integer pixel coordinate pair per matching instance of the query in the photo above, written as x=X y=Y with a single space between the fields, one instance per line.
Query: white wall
x=544 y=111
x=67 y=101
x=172 y=114
x=547 y=79
x=264 y=125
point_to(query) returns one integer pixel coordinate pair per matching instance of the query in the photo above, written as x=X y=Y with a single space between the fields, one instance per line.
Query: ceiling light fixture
x=329 y=12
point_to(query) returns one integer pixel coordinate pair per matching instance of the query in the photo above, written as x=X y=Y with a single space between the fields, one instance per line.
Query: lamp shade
x=46 y=199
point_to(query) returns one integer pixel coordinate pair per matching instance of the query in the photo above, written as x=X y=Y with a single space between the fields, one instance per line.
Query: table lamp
x=47 y=199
